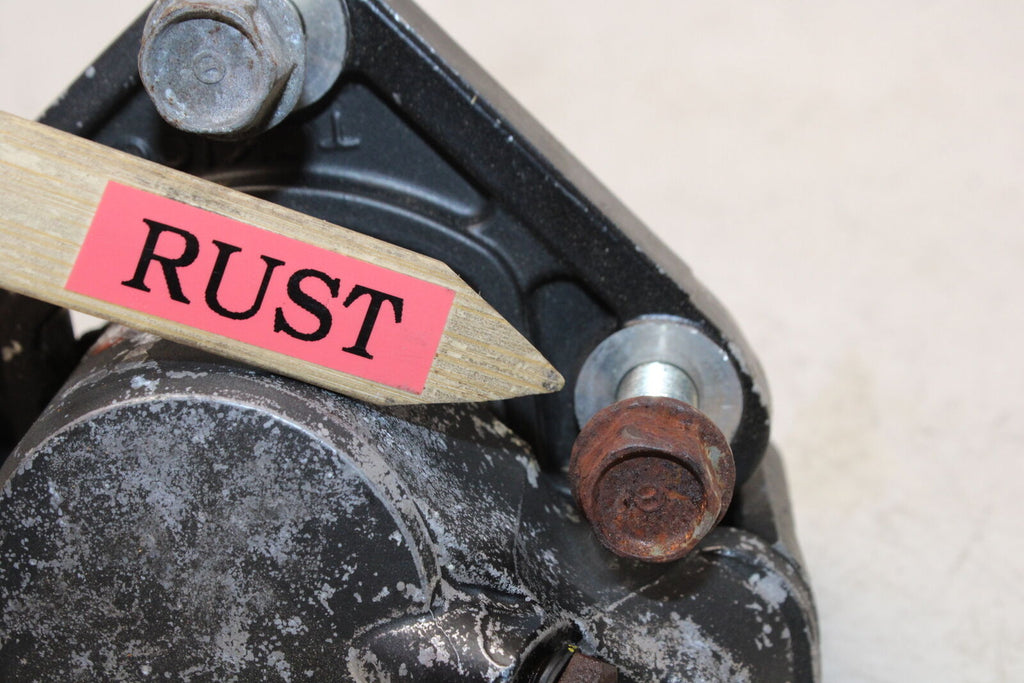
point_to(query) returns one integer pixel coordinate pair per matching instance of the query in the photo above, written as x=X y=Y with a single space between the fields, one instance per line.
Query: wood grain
x=51 y=184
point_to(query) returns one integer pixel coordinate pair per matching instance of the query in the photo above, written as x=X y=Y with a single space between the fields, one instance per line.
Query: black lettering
x=169 y=264
x=305 y=301
x=217 y=276
x=377 y=299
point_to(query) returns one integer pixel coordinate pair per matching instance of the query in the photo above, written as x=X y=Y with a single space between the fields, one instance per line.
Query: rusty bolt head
x=653 y=475
x=223 y=68
x=584 y=669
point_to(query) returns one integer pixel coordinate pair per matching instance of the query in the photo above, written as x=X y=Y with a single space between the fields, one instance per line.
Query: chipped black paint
x=174 y=514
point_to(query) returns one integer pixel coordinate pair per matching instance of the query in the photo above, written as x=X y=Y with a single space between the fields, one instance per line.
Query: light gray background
x=846 y=177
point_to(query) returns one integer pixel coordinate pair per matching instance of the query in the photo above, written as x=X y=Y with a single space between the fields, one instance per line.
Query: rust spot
x=653 y=475
x=112 y=336
x=584 y=669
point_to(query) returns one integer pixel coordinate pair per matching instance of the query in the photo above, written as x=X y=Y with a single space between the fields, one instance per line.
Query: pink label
x=174 y=261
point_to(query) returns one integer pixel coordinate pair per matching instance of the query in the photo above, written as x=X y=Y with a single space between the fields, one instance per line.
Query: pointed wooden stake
x=99 y=231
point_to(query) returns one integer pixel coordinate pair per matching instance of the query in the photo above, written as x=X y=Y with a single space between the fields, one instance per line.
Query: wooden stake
x=93 y=229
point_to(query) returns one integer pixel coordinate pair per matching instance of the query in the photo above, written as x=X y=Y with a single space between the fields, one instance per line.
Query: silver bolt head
x=224 y=68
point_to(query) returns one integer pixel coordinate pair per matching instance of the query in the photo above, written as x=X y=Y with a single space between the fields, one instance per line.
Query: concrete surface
x=847 y=178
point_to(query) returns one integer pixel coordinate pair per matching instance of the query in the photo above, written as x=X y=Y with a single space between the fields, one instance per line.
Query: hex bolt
x=653 y=475
x=223 y=68
x=651 y=472
x=585 y=669
x=569 y=665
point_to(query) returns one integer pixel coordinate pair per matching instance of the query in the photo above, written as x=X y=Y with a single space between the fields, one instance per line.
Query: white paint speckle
x=292 y=626
x=90 y=72
x=277 y=660
x=532 y=470
x=139 y=382
x=9 y=352
x=185 y=374
x=769 y=588
x=324 y=594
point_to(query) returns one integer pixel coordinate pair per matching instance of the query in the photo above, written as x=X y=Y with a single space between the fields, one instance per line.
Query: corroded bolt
x=653 y=475
x=569 y=665
x=584 y=669
x=223 y=68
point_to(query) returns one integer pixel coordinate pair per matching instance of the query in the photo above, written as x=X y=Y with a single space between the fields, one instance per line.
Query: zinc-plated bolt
x=657 y=378
x=223 y=68
x=661 y=356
